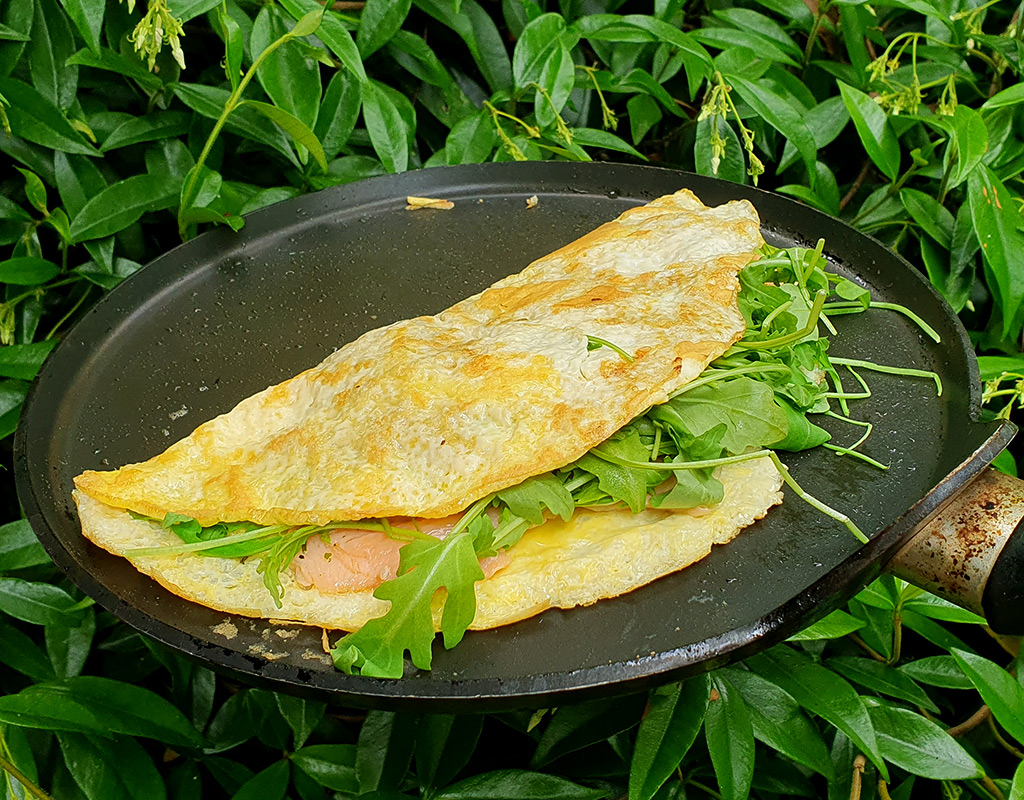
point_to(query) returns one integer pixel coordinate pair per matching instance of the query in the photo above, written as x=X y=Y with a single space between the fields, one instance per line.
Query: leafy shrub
x=128 y=130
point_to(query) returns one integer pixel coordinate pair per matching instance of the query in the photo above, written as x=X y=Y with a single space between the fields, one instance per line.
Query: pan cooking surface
x=221 y=318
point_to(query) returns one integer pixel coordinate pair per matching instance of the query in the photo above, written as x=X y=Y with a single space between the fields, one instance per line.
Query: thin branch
x=855 y=186
x=868 y=648
x=990 y=784
x=23 y=779
x=859 y=763
x=1005 y=744
x=972 y=722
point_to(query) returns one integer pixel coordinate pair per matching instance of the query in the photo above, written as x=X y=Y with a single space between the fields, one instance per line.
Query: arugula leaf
x=622 y=483
x=746 y=407
x=693 y=488
x=529 y=498
x=803 y=434
x=378 y=648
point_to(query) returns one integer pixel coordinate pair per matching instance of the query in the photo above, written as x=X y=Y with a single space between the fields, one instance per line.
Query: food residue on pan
x=415 y=203
x=531 y=202
x=226 y=629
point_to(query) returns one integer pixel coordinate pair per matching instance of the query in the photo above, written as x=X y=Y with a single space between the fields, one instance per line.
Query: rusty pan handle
x=972 y=551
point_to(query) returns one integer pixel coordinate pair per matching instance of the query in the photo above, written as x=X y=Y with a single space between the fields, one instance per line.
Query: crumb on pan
x=531 y=202
x=414 y=203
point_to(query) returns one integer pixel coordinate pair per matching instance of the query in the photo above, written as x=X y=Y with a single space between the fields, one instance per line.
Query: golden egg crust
x=423 y=417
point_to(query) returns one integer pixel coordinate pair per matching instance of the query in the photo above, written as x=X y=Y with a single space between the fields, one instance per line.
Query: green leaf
x=1012 y=96
x=26 y=710
x=516 y=784
x=378 y=22
x=301 y=715
x=1001 y=693
x=730 y=738
x=308 y=23
x=779 y=722
x=384 y=752
x=644 y=114
x=52 y=43
x=88 y=18
x=35 y=191
x=122 y=708
x=129 y=67
x=471 y=141
x=998 y=225
x=106 y=770
x=821 y=692
x=210 y=101
x=19 y=652
x=778 y=112
x=338 y=113
x=333 y=34
x=378 y=648
x=121 y=204
x=834 y=626
x=289 y=75
x=38 y=603
x=27 y=271
x=293 y=126
x=744 y=406
x=557 y=77
x=9 y=34
x=530 y=498
x=388 y=132
x=928 y=605
x=881 y=678
x=1017 y=789
x=593 y=137
x=19 y=547
x=970 y=136
x=621 y=483
x=24 y=360
x=476 y=28
x=444 y=746
x=268 y=784
x=574 y=727
x=921 y=747
x=44 y=124
x=541 y=39
x=759 y=46
x=330 y=765
x=873 y=129
x=68 y=646
x=163 y=125
x=190 y=9
x=666 y=733
x=731 y=165
x=77 y=180
x=926 y=211
x=941 y=671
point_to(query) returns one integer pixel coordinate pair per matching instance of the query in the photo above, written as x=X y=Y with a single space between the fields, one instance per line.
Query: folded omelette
x=424 y=417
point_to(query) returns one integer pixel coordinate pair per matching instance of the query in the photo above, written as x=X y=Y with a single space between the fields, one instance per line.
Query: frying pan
x=225 y=315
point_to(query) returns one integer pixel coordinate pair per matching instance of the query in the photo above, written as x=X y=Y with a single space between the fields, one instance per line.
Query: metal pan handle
x=972 y=551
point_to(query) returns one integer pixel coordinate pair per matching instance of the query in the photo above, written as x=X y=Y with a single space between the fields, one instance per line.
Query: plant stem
x=229 y=106
x=972 y=722
x=8 y=767
x=859 y=763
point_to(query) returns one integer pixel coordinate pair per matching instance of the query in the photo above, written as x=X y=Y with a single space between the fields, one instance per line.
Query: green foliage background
x=901 y=116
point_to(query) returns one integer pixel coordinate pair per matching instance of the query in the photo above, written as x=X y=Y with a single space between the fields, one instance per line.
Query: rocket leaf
x=377 y=649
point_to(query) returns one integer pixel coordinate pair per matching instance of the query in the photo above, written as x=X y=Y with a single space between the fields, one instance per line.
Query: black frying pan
x=222 y=317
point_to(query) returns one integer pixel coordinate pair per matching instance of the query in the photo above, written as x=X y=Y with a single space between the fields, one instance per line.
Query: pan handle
x=972 y=551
